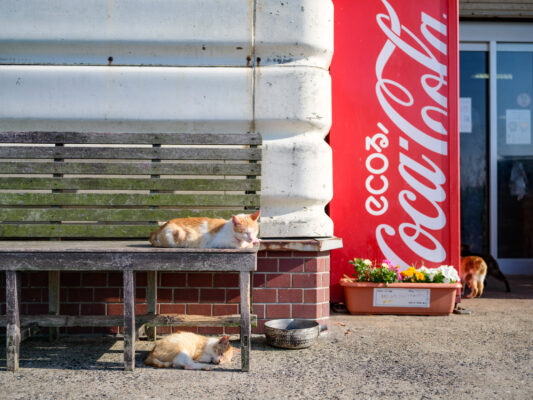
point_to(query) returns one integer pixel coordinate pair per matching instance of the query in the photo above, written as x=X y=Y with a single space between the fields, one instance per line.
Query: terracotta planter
x=399 y=298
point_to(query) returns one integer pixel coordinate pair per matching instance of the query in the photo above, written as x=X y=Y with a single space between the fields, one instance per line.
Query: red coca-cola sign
x=395 y=133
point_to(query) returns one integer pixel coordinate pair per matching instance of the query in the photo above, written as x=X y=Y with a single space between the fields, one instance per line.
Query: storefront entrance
x=496 y=91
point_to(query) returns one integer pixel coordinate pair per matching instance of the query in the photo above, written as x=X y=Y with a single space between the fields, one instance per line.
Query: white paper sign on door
x=517 y=126
x=465 y=114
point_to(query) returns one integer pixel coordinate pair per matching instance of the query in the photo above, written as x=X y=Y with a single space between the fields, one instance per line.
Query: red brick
x=140 y=295
x=327 y=264
x=313 y=296
x=36 y=309
x=232 y=330
x=264 y=295
x=164 y=330
x=25 y=279
x=315 y=264
x=114 y=279
x=172 y=309
x=226 y=280
x=290 y=295
x=259 y=280
x=278 y=311
x=39 y=279
x=225 y=309
x=69 y=309
x=80 y=295
x=186 y=295
x=108 y=295
x=93 y=309
x=94 y=279
x=199 y=309
x=164 y=294
x=173 y=279
x=279 y=254
x=176 y=329
x=212 y=295
x=141 y=278
x=70 y=279
x=31 y=295
x=210 y=330
x=313 y=254
x=306 y=310
x=278 y=280
x=259 y=310
x=115 y=309
x=325 y=309
x=233 y=296
x=291 y=265
x=325 y=280
x=267 y=265
x=261 y=254
x=326 y=294
x=63 y=294
x=200 y=279
x=260 y=328
x=306 y=280
x=141 y=309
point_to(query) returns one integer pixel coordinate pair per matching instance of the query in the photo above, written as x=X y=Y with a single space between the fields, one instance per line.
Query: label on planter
x=401 y=297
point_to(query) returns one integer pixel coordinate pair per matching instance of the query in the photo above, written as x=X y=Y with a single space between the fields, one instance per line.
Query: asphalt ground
x=484 y=355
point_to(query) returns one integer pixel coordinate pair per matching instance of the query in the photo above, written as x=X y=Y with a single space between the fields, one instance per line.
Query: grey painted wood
x=126 y=137
x=246 y=333
x=130 y=168
x=53 y=300
x=107 y=183
x=129 y=320
x=147 y=261
x=135 y=153
x=13 y=320
x=44 y=321
x=151 y=299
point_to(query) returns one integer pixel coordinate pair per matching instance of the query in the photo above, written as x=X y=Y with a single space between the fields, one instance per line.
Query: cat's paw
x=207 y=368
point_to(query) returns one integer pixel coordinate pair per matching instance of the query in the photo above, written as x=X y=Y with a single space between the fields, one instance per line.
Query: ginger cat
x=190 y=351
x=238 y=232
x=473 y=272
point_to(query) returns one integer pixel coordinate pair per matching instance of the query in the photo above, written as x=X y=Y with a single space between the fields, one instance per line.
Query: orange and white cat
x=190 y=351
x=473 y=273
x=238 y=232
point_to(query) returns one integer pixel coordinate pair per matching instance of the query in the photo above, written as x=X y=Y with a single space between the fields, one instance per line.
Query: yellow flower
x=420 y=276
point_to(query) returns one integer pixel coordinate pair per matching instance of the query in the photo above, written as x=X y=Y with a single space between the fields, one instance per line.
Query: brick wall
x=287 y=284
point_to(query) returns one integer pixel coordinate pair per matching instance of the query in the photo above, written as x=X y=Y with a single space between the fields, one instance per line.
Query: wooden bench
x=72 y=201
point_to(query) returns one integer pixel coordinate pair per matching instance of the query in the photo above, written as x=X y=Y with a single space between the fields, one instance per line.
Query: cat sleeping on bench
x=238 y=232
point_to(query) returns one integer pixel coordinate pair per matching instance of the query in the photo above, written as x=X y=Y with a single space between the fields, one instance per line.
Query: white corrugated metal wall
x=184 y=66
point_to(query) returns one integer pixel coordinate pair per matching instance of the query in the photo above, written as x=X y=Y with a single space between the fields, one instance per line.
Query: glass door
x=514 y=152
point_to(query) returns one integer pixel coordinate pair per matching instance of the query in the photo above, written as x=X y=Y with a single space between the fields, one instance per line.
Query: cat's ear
x=255 y=215
x=224 y=340
x=236 y=220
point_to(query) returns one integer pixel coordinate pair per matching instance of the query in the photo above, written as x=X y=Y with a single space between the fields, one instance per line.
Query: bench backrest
x=74 y=185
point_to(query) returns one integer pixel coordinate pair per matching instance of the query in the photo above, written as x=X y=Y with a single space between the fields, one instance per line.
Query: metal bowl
x=291 y=333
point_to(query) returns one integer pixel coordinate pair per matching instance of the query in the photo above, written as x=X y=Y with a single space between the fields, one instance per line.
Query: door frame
x=493 y=37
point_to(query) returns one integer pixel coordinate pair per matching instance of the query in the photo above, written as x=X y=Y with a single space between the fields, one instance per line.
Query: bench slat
x=110 y=215
x=130 y=184
x=131 y=138
x=127 y=199
x=118 y=320
x=24 y=152
x=129 y=168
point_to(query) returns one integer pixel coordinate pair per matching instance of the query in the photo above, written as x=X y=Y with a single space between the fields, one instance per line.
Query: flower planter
x=399 y=298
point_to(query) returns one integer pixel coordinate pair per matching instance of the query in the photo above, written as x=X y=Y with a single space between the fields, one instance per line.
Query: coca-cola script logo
x=423 y=141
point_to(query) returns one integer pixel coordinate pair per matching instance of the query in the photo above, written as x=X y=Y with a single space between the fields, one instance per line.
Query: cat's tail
x=154 y=362
x=153 y=238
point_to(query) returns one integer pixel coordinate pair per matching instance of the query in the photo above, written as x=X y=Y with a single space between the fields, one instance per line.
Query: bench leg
x=151 y=298
x=129 y=320
x=246 y=333
x=53 y=301
x=13 y=320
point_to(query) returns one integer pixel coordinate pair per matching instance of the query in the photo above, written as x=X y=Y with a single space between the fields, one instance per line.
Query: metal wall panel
x=229 y=66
